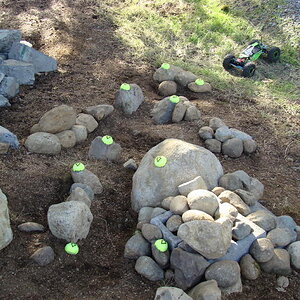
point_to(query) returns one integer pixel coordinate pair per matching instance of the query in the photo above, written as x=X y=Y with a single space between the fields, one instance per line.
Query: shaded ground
x=92 y=65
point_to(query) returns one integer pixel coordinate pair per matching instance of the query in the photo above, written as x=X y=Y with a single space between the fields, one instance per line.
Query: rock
x=283 y=282
x=148 y=268
x=4 y=148
x=87 y=121
x=205 y=88
x=8 y=137
x=35 y=128
x=40 y=61
x=130 y=164
x=223 y=134
x=195 y=184
x=157 y=211
x=9 y=87
x=233 y=148
x=129 y=101
x=69 y=220
x=89 y=178
x=99 y=112
x=137 y=246
x=236 y=201
x=241 y=230
x=213 y=145
x=194 y=214
x=173 y=223
x=203 y=200
x=169 y=275
x=162 y=111
x=145 y=214
x=206 y=290
x=151 y=232
x=249 y=146
x=226 y=210
x=179 y=112
x=215 y=123
x=78 y=194
x=5 y=229
x=249 y=268
x=263 y=219
x=167 y=88
x=58 y=119
x=204 y=236
x=294 y=251
x=192 y=113
x=262 y=250
x=288 y=223
x=4 y=102
x=44 y=143
x=280 y=237
x=240 y=134
x=185 y=77
x=249 y=198
x=43 y=256
x=161 y=74
x=31 y=227
x=88 y=190
x=166 y=203
x=218 y=190
x=179 y=205
x=279 y=264
x=206 y=133
x=7 y=38
x=171 y=293
x=230 y=182
x=100 y=150
x=80 y=132
x=67 y=138
x=189 y=268
x=162 y=258
x=185 y=162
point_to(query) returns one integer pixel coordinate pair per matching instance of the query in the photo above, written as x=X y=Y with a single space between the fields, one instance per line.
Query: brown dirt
x=92 y=65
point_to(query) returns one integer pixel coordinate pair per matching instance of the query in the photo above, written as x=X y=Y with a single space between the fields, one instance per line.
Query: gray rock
x=218 y=190
x=162 y=258
x=206 y=133
x=185 y=162
x=87 y=121
x=236 y=288
x=148 y=268
x=294 y=251
x=130 y=164
x=157 y=211
x=145 y=214
x=250 y=146
x=44 y=143
x=195 y=184
x=189 y=268
x=206 y=290
x=78 y=194
x=240 y=134
x=205 y=88
x=151 y=232
x=89 y=178
x=216 y=123
x=230 y=182
x=9 y=87
x=223 y=134
x=40 y=61
x=185 y=77
x=288 y=223
x=166 y=203
x=4 y=148
x=161 y=74
x=31 y=227
x=233 y=147
x=22 y=71
x=194 y=214
x=213 y=145
x=70 y=220
x=280 y=237
x=58 y=119
x=4 y=102
x=169 y=275
x=179 y=205
x=129 y=101
x=262 y=250
x=279 y=264
x=249 y=198
x=167 y=88
x=99 y=150
x=192 y=113
x=173 y=223
x=162 y=111
x=171 y=293
x=241 y=230
x=5 y=229
x=67 y=138
x=226 y=210
x=80 y=132
x=88 y=190
x=99 y=112
x=283 y=282
x=35 y=128
x=7 y=38
x=43 y=256
x=203 y=200
x=249 y=268
x=263 y=219
x=137 y=246
x=8 y=137
x=179 y=112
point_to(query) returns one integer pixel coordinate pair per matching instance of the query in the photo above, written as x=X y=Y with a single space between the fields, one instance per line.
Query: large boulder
x=44 y=143
x=6 y=234
x=185 y=162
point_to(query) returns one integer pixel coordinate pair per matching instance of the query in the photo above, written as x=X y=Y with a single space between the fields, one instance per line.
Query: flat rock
x=167 y=88
x=44 y=143
x=263 y=219
x=173 y=223
x=99 y=112
x=151 y=232
x=240 y=134
x=249 y=267
x=185 y=77
x=137 y=246
x=206 y=290
x=89 y=178
x=43 y=256
x=171 y=293
x=195 y=184
x=148 y=268
x=223 y=134
x=5 y=229
x=67 y=138
x=87 y=121
x=31 y=227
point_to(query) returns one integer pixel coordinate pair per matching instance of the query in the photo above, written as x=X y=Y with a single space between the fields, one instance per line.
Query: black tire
x=254 y=41
x=249 y=69
x=228 y=59
x=273 y=54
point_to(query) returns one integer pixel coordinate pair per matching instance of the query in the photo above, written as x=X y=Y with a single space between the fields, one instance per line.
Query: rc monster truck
x=245 y=63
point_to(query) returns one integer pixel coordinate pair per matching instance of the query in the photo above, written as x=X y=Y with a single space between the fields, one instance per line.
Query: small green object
x=125 y=86
x=160 y=161
x=199 y=81
x=77 y=167
x=72 y=248
x=165 y=66
x=161 y=245
x=174 y=99
x=107 y=140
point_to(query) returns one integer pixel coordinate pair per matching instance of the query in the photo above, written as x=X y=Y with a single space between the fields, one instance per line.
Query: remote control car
x=245 y=63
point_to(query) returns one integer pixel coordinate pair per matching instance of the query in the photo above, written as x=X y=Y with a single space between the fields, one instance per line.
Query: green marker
x=160 y=161
x=165 y=66
x=174 y=99
x=199 y=81
x=72 y=248
x=77 y=167
x=125 y=87
x=161 y=245
x=107 y=140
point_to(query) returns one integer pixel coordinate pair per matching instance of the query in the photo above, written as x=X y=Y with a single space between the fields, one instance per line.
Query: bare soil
x=92 y=65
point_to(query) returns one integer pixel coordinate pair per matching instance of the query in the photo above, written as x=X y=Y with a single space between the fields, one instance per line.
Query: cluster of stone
x=175 y=109
x=170 y=78
x=230 y=141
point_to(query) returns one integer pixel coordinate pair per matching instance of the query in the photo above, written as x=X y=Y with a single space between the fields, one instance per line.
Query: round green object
x=72 y=248
x=160 y=161
x=125 y=86
x=165 y=66
x=199 y=81
x=77 y=167
x=174 y=99
x=161 y=245
x=107 y=140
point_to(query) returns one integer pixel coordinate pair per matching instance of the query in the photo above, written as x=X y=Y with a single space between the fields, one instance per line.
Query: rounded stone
x=166 y=203
x=233 y=147
x=80 y=132
x=226 y=210
x=43 y=256
x=223 y=133
x=262 y=250
x=206 y=132
x=167 y=88
x=263 y=219
x=218 y=190
x=216 y=123
x=294 y=251
x=213 y=145
x=148 y=268
x=283 y=281
x=280 y=237
x=179 y=205
x=87 y=121
x=44 y=143
x=67 y=138
x=194 y=214
x=174 y=222
x=249 y=268
x=151 y=232
x=250 y=146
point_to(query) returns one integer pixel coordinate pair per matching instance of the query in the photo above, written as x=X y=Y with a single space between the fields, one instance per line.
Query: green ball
x=77 y=167
x=125 y=86
x=72 y=248
x=161 y=245
x=107 y=140
x=165 y=66
x=174 y=99
x=160 y=161
x=199 y=81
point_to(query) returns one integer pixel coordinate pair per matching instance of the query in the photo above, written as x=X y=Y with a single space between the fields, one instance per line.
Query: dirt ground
x=92 y=65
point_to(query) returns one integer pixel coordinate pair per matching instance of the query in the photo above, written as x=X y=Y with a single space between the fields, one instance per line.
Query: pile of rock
x=61 y=127
x=170 y=78
x=230 y=141
x=175 y=109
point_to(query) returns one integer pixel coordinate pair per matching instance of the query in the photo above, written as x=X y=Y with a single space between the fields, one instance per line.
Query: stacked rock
x=171 y=77
x=230 y=141
x=175 y=109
